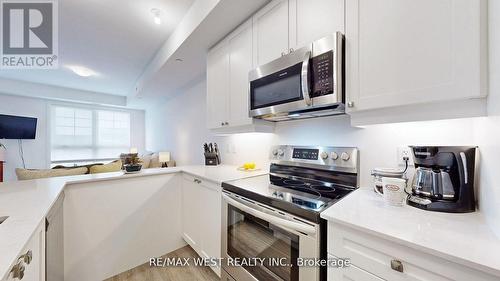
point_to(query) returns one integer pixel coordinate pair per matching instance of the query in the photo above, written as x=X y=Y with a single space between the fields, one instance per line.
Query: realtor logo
x=29 y=34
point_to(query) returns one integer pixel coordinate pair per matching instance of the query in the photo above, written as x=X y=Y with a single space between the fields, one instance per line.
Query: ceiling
x=115 y=38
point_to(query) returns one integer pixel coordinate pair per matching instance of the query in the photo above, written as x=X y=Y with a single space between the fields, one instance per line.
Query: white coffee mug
x=394 y=191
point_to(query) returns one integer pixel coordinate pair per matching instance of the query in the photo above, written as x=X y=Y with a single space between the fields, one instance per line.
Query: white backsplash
x=378 y=144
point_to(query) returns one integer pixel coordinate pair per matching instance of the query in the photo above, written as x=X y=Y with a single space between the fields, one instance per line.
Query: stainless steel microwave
x=303 y=84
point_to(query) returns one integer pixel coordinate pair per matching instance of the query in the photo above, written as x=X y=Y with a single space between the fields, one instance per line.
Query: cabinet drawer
x=375 y=254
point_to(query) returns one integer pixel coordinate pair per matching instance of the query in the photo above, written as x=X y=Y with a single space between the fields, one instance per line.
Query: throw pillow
x=114 y=166
x=23 y=174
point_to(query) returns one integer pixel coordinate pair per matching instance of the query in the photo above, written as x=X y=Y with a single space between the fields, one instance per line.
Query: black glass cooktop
x=302 y=197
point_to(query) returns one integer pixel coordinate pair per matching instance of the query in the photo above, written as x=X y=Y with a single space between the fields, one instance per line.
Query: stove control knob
x=275 y=152
x=345 y=156
x=335 y=156
x=281 y=152
x=324 y=155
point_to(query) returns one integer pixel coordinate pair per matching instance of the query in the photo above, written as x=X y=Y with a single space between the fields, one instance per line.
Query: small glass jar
x=379 y=173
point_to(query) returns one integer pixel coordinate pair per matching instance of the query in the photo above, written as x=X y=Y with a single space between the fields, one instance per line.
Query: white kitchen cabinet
x=313 y=19
x=201 y=208
x=33 y=268
x=228 y=65
x=191 y=221
x=410 y=52
x=286 y=25
x=270 y=32
x=217 y=86
x=211 y=221
x=240 y=64
x=373 y=256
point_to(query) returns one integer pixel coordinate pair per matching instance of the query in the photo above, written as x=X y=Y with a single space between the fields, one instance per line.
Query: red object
x=1 y=171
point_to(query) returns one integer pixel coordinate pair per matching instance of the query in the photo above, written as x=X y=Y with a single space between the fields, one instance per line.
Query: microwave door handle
x=304 y=74
x=270 y=218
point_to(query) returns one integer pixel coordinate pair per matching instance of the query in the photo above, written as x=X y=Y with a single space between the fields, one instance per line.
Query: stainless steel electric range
x=277 y=216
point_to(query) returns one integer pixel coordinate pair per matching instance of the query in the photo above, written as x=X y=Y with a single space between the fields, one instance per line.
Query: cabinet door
x=35 y=269
x=190 y=213
x=240 y=64
x=313 y=19
x=211 y=220
x=402 y=52
x=217 y=86
x=270 y=32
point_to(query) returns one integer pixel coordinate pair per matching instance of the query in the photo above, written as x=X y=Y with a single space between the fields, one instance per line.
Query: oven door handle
x=287 y=224
x=304 y=75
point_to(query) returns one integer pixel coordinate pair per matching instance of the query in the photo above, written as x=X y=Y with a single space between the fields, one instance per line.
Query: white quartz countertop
x=28 y=202
x=462 y=238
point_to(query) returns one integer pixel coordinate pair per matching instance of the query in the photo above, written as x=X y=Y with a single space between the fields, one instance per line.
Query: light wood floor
x=182 y=273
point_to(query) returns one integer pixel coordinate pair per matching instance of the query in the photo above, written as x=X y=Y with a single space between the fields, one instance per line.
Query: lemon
x=251 y=165
x=246 y=166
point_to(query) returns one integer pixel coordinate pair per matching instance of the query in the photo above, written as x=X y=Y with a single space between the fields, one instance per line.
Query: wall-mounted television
x=17 y=127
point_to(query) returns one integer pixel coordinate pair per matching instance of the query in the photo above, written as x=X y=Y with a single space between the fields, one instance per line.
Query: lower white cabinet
x=375 y=258
x=201 y=224
x=30 y=265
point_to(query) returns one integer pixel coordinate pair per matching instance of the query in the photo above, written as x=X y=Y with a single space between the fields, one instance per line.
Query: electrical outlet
x=404 y=152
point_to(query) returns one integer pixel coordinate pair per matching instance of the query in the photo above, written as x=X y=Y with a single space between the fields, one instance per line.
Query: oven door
x=252 y=230
x=282 y=85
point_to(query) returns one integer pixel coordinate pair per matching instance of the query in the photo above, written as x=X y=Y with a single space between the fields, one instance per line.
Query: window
x=82 y=134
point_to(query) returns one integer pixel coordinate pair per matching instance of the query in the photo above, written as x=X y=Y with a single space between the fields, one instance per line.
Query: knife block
x=210 y=159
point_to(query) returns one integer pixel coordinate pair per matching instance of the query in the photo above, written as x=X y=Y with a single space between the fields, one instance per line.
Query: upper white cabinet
x=407 y=52
x=228 y=65
x=270 y=32
x=314 y=19
x=240 y=63
x=217 y=86
x=286 y=25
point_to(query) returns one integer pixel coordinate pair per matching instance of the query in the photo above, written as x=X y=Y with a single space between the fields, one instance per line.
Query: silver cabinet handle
x=397 y=265
x=226 y=123
x=350 y=104
x=197 y=181
x=18 y=271
x=27 y=258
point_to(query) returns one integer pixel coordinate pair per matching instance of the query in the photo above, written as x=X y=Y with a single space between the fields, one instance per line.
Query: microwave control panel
x=322 y=74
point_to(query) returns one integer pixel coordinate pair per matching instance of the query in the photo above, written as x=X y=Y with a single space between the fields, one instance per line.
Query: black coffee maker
x=444 y=178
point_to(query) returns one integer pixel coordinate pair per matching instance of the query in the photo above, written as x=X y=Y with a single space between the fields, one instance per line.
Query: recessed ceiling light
x=156 y=15
x=82 y=70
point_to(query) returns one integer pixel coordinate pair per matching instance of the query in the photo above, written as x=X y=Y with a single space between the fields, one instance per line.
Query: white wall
x=37 y=152
x=178 y=126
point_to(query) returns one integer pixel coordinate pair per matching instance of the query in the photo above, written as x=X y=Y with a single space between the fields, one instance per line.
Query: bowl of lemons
x=248 y=167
